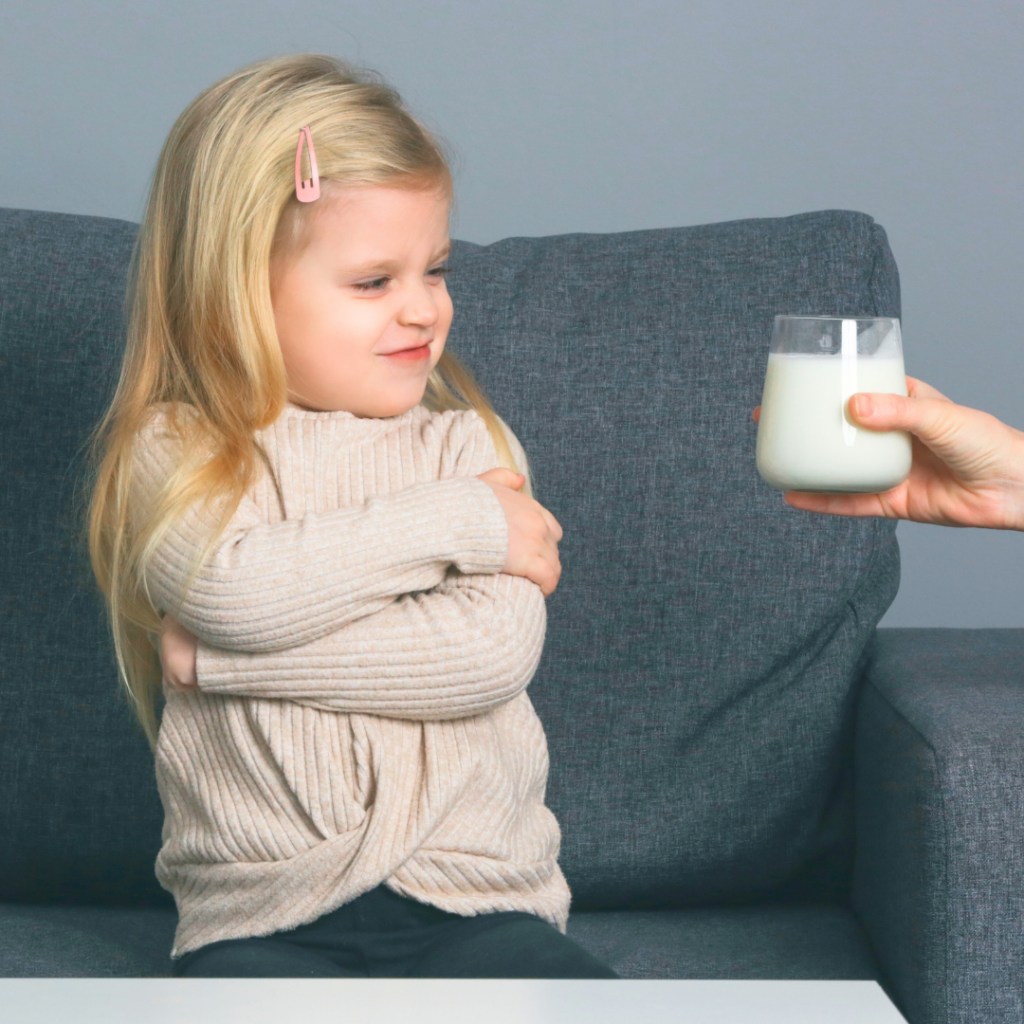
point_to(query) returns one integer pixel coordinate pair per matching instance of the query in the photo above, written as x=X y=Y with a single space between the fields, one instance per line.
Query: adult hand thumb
x=935 y=421
x=879 y=411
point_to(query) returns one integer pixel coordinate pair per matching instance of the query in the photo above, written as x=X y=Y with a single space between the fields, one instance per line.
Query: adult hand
x=967 y=468
x=533 y=532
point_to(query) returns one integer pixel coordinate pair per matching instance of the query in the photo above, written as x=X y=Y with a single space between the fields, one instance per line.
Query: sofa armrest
x=938 y=880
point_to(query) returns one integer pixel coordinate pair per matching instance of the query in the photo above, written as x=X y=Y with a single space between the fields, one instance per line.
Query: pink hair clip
x=308 y=190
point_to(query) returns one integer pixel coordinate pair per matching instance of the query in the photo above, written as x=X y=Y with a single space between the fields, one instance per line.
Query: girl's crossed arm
x=269 y=587
x=459 y=649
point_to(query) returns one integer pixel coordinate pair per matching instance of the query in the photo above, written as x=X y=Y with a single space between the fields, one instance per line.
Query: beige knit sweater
x=361 y=713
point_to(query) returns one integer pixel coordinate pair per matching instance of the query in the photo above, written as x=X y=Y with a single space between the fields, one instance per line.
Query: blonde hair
x=200 y=325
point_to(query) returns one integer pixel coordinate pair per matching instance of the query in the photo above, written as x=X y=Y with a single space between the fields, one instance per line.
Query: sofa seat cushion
x=771 y=941
x=55 y=941
x=796 y=941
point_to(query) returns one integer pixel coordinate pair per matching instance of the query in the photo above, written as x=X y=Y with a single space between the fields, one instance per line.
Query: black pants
x=381 y=934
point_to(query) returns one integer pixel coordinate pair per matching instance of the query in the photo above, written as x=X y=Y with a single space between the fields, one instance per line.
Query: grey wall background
x=613 y=115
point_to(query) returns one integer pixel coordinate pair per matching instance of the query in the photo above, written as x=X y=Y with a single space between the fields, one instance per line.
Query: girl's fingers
x=553 y=524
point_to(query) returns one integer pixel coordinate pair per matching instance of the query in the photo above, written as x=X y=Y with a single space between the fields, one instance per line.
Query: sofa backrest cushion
x=705 y=642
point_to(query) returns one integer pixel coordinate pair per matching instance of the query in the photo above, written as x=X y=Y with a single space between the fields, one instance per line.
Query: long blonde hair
x=200 y=325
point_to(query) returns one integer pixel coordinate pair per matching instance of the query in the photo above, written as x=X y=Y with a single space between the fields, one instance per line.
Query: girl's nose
x=420 y=306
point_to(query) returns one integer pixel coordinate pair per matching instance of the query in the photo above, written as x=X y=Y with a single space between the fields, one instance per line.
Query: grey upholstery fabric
x=801 y=941
x=939 y=879
x=58 y=941
x=81 y=814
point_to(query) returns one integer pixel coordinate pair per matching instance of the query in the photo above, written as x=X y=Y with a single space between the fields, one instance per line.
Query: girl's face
x=369 y=283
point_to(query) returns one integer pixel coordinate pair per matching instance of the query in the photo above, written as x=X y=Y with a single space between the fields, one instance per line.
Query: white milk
x=804 y=440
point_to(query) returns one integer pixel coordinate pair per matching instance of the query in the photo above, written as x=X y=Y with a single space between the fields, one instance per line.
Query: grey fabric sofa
x=752 y=780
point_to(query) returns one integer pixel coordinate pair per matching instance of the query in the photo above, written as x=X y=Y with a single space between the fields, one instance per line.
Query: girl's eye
x=369 y=286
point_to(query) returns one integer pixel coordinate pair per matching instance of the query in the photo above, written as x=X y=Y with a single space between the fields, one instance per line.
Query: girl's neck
x=352 y=424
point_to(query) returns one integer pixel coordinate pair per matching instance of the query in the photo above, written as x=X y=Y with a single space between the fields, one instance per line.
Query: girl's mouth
x=411 y=354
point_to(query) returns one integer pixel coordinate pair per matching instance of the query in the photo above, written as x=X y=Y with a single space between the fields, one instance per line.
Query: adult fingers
x=916 y=388
x=919 y=389
x=838 y=504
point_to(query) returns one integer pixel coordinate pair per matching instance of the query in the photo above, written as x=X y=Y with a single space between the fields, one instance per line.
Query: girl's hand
x=533 y=532
x=177 y=655
x=967 y=469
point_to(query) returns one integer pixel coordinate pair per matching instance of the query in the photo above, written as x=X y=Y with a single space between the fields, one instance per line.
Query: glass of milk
x=805 y=438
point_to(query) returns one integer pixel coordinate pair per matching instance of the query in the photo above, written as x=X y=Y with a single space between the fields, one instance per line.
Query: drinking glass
x=806 y=440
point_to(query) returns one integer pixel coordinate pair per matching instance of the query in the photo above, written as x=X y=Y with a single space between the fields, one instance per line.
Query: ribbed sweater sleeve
x=459 y=649
x=273 y=586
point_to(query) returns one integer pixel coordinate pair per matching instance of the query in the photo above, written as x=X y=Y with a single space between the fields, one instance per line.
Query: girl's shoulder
x=166 y=435
x=471 y=447
x=160 y=416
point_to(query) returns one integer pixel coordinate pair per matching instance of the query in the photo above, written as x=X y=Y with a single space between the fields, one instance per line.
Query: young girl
x=346 y=588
